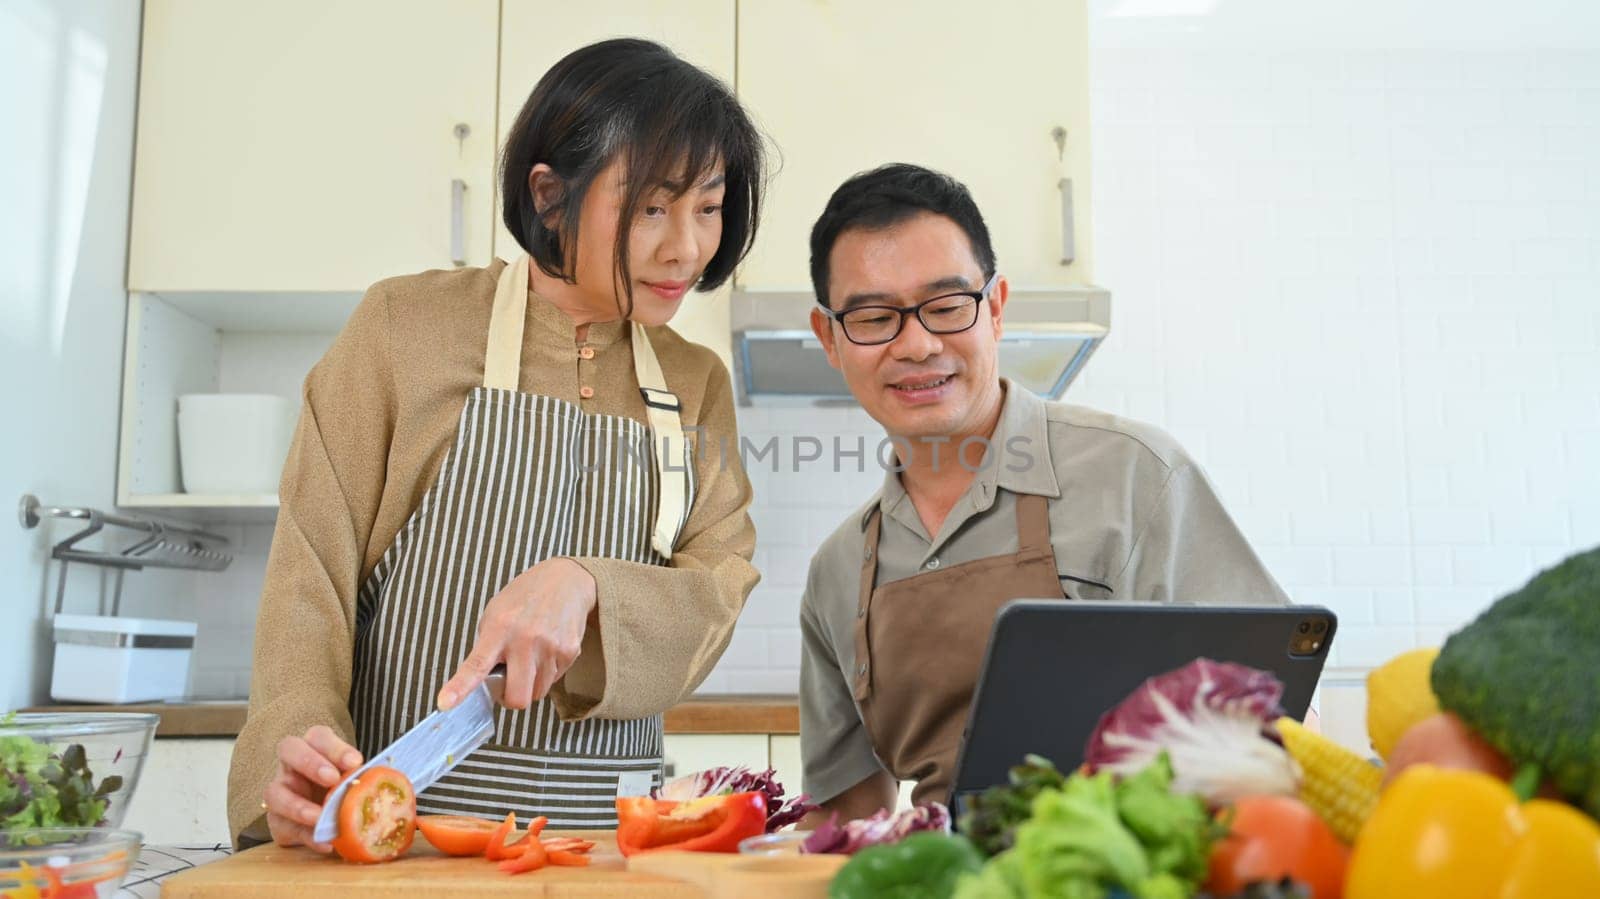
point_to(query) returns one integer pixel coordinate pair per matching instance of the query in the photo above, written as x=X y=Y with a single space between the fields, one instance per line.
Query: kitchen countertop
x=705 y=714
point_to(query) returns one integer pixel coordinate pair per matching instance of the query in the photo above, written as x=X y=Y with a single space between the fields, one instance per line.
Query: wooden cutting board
x=271 y=872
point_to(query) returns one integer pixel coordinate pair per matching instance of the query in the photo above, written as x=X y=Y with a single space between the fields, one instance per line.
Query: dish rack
x=162 y=546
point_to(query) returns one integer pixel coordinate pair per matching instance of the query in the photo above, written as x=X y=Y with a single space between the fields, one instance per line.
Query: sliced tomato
x=531 y=858
x=709 y=824
x=377 y=817
x=456 y=834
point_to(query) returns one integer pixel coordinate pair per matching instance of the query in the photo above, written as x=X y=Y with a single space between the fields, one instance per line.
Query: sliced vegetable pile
x=378 y=821
x=46 y=882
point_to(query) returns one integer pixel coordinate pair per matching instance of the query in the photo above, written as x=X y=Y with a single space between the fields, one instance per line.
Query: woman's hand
x=307 y=767
x=535 y=624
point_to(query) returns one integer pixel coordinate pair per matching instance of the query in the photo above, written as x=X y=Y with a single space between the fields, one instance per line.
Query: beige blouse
x=380 y=411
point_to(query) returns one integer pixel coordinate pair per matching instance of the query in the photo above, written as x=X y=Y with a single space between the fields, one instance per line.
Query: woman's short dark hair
x=888 y=195
x=670 y=122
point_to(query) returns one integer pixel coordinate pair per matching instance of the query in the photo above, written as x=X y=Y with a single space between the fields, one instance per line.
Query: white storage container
x=233 y=442
x=101 y=658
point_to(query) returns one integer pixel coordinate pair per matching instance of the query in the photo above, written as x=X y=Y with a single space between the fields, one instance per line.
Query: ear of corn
x=1340 y=786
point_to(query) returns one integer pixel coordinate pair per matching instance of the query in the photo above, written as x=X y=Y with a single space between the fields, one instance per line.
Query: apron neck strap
x=662 y=412
x=502 y=364
x=502 y=359
x=1033 y=524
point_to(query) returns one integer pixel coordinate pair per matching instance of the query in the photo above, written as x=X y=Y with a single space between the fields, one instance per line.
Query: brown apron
x=921 y=639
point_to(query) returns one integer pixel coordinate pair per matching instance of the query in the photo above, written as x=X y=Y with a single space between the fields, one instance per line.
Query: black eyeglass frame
x=978 y=296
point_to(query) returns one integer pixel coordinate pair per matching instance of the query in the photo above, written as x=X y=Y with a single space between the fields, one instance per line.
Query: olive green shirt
x=1132 y=518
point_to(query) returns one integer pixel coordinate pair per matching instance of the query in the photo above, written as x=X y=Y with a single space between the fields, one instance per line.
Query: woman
x=490 y=468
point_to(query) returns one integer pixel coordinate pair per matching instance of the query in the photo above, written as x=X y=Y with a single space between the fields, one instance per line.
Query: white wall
x=1361 y=287
x=67 y=88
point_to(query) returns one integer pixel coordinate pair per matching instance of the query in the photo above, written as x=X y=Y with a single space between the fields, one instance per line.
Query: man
x=994 y=494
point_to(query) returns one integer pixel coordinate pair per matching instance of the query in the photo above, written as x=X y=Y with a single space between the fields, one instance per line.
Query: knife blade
x=427 y=751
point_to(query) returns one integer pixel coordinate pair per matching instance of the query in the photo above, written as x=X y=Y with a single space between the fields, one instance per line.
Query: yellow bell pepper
x=1560 y=856
x=1462 y=834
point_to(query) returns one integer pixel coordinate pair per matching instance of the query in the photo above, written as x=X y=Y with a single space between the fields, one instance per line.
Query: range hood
x=1049 y=337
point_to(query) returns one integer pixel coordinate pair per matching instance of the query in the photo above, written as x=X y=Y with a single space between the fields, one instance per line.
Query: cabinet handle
x=458 y=215
x=1069 y=248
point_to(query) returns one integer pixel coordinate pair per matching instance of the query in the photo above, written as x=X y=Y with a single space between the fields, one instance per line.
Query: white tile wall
x=1362 y=287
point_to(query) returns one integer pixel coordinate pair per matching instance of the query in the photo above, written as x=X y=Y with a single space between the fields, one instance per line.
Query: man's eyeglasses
x=949 y=313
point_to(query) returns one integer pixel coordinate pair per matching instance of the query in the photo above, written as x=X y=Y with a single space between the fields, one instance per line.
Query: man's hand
x=535 y=624
x=307 y=767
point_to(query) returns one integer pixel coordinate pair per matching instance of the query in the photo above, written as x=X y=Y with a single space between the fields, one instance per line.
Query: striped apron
x=528 y=478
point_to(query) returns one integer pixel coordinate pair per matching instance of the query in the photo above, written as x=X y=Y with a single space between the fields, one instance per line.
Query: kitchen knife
x=428 y=751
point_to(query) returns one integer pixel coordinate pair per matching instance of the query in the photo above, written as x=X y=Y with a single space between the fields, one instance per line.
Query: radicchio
x=852 y=836
x=724 y=781
x=1213 y=719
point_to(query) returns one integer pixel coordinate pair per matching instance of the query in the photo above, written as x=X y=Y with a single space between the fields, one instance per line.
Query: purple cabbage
x=1215 y=721
x=851 y=837
x=726 y=781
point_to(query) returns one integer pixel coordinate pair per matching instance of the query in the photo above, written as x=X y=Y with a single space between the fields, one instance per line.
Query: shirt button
x=933 y=563
x=586 y=392
x=869 y=552
x=862 y=670
x=586 y=353
x=861 y=613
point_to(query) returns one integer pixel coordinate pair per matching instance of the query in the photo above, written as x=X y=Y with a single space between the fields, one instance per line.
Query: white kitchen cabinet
x=783 y=750
x=182 y=796
x=534 y=35
x=311 y=145
x=195 y=343
x=848 y=85
x=688 y=753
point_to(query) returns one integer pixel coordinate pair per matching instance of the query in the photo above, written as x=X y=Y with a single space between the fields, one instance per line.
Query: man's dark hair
x=886 y=196
x=670 y=122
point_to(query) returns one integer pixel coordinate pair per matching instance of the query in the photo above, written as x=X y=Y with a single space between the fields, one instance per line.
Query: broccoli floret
x=1526 y=676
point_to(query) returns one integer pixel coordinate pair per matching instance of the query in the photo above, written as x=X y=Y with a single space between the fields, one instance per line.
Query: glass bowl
x=66 y=861
x=89 y=761
x=784 y=842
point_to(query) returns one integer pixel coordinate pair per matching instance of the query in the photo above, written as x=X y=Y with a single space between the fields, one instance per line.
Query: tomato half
x=377 y=818
x=457 y=834
x=1273 y=837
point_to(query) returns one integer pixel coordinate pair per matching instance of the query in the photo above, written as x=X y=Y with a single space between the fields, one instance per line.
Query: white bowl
x=233 y=442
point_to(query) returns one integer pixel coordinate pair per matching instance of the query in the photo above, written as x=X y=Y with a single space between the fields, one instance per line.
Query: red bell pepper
x=710 y=824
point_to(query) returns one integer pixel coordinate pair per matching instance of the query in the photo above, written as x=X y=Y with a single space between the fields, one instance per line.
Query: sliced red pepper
x=569 y=844
x=568 y=859
x=709 y=824
x=532 y=857
x=496 y=848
